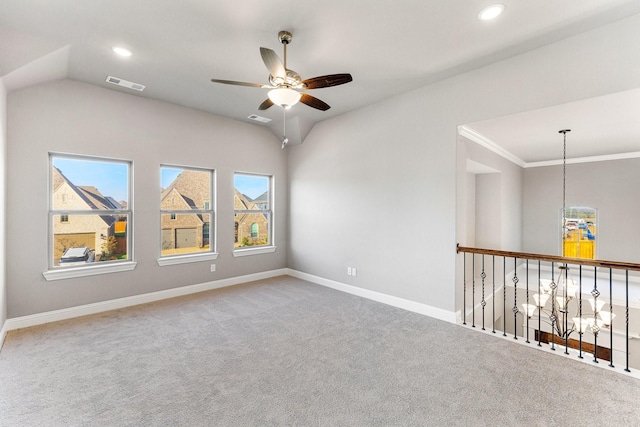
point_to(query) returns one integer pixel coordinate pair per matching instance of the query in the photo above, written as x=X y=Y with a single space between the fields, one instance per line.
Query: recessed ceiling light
x=491 y=12
x=121 y=51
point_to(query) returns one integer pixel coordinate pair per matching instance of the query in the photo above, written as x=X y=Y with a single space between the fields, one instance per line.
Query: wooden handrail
x=551 y=258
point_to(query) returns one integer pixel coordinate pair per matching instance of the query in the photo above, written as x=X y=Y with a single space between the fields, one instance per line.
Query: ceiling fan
x=286 y=84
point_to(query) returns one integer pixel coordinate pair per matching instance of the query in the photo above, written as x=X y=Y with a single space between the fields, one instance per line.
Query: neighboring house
x=79 y=230
x=250 y=228
x=190 y=190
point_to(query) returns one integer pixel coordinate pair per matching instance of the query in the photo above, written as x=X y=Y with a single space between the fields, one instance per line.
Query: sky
x=251 y=185
x=110 y=178
x=168 y=176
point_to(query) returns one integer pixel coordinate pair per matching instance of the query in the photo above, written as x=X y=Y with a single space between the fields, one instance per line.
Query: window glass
x=186 y=210
x=90 y=210
x=252 y=208
x=579 y=233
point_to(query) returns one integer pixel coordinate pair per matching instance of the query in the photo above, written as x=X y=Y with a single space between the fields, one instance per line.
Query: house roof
x=98 y=200
x=193 y=186
x=89 y=195
x=264 y=197
x=241 y=200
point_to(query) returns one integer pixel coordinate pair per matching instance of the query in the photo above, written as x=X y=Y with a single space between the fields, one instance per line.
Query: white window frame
x=271 y=247
x=98 y=268
x=211 y=254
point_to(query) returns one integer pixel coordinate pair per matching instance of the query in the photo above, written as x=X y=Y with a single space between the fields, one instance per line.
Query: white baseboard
x=416 y=307
x=99 y=307
x=3 y=333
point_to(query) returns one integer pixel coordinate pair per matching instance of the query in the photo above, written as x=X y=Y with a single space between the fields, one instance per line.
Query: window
x=90 y=211
x=185 y=211
x=579 y=233
x=252 y=208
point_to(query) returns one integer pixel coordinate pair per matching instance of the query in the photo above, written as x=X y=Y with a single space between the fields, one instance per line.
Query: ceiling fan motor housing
x=285 y=37
x=292 y=80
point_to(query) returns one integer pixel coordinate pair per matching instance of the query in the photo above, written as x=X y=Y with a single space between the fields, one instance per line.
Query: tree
x=108 y=247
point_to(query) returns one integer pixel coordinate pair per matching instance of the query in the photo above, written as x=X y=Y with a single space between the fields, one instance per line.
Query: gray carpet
x=284 y=352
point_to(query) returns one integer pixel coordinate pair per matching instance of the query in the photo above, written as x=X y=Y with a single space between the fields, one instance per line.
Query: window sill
x=254 y=251
x=186 y=259
x=94 y=270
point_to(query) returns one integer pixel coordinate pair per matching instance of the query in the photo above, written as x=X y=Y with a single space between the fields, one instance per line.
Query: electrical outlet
x=348 y=271
x=213 y=268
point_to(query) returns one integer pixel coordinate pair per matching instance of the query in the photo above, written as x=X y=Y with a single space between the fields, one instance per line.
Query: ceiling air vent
x=258 y=118
x=125 y=83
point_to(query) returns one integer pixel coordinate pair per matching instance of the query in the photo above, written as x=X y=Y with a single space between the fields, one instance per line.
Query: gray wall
x=609 y=186
x=498 y=198
x=73 y=117
x=3 y=189
x=489 y=218
x=376 y=188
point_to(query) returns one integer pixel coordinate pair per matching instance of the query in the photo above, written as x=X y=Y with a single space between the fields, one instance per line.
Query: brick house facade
x=191 y=190
x=250 y=228
x=79 y=230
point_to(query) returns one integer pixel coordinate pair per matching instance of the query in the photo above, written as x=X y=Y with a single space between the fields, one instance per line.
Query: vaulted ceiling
x=178 y=46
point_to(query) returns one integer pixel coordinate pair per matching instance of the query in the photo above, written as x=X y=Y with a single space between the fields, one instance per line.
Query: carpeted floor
x=284 y=352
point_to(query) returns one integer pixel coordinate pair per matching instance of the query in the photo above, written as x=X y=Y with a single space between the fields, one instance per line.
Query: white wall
x=376 y=188
x=73 y=117
x=3 y=178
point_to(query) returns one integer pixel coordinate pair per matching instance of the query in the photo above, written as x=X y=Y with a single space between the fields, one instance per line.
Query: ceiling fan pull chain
x=285 y=140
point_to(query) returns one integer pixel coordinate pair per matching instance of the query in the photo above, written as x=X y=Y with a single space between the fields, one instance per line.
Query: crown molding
x=482 y=140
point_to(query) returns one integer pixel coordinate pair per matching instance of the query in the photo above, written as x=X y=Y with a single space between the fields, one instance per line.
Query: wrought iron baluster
x=611 y=317
x=464 y=288
x=483 y=303
x=515 y=281
x=539 y=308
x=627 y=317
x=553 y=309
x=504 y=296
x=580 y=329
x=595 y=328
x=527 y=285
x=473 y=291
x=493 y=293
x=565 y=315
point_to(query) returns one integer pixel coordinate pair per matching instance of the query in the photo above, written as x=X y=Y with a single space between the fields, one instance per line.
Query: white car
x=76 y=256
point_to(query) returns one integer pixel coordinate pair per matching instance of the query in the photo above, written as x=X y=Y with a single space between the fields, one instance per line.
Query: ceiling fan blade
x=273 y=63
x=314 y=102
x=327 y=81
x=232 y=82
x=266 y=104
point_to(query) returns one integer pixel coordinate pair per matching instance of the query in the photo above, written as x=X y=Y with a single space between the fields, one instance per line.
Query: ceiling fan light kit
x=284 y=97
